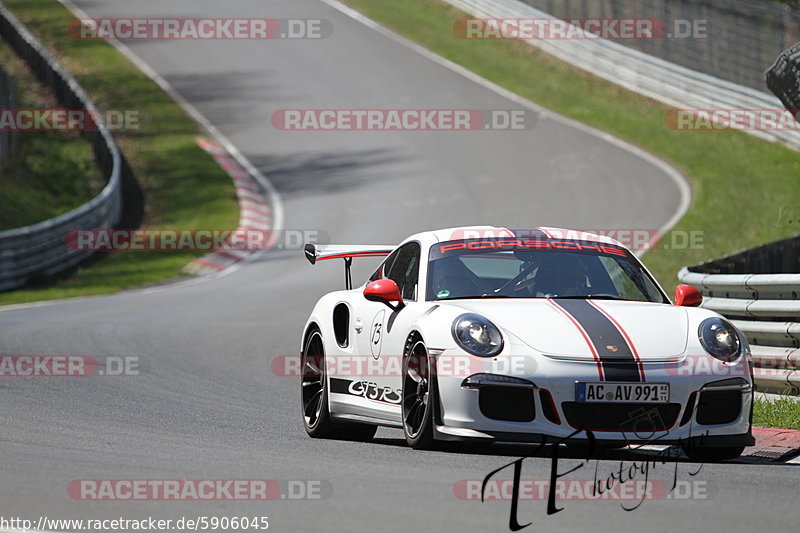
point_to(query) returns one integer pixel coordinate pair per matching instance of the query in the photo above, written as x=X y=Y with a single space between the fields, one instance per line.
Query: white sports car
x=493 y=334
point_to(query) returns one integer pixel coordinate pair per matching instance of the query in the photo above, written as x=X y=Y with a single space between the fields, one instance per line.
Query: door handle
x=359 y=325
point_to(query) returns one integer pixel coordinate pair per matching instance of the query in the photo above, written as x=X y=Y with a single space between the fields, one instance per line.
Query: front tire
x=314 y=395
x=418 y=395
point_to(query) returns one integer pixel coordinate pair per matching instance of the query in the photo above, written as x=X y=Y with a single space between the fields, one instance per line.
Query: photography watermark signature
x=629 y=482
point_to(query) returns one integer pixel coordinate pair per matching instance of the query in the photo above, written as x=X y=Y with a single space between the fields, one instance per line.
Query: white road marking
x=648 y=447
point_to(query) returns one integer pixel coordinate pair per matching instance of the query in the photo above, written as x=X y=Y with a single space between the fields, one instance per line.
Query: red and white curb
x=254 y=212
x=774 y=444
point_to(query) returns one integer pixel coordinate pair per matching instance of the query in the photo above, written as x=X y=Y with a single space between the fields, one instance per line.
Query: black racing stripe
x=619 y=365
x=340 y=386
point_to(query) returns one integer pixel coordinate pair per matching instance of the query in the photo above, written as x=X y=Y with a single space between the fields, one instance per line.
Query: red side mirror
x=687 y=296
x=384 y=291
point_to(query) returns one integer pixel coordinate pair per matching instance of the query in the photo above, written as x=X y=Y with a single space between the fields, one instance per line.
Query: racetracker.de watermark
x=385 y=365
x=403 y=119
x=242 y=522
x=172 y=240
x=635 y=239
x=709 y=366
x=612 y=29
x=183 y=490
x=199 y=28
x=67 y=119
x=732 y=119
x=634 y=490
x=68 y=366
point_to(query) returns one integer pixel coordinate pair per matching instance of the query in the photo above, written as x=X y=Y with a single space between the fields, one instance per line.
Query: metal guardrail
x=639 y=72
x=766 y=308
x=8 y=100
x=39 y=251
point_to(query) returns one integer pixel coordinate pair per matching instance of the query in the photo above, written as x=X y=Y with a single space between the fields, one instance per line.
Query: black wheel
x=418 y=397
x=314 y=395
x=708 y=454
x=316 y=418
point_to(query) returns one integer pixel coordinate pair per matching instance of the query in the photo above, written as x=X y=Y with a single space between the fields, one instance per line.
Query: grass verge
x=184 y=188
x=781 y=412
x=743 y=188
x=50 y=172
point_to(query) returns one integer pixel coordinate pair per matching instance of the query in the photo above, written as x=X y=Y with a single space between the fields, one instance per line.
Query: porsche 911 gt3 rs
x=494 y=334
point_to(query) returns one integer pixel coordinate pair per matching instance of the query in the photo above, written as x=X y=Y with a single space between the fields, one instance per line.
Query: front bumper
x=709 y=410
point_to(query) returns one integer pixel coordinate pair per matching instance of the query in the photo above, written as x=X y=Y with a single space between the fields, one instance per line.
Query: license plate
x=622 y=392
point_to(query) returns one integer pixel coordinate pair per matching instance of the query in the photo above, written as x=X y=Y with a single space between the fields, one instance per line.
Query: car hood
x=658 y=332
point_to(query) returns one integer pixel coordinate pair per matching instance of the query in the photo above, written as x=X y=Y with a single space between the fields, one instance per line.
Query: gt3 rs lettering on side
x=596 y=345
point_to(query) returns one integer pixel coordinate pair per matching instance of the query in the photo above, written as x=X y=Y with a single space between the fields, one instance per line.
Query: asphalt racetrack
x=206 y=404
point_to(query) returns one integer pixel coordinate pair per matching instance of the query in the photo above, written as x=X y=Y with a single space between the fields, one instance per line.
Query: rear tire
x=417 y=395
x=314 y=397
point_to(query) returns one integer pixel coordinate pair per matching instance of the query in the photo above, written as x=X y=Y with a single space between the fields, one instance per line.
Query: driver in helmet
x=562 y=274
x=452 y=279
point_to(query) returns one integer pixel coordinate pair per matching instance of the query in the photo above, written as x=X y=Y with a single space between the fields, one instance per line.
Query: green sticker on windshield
x=444 y=293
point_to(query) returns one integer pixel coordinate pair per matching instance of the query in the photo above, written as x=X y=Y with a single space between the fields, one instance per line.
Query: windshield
x=513 y=268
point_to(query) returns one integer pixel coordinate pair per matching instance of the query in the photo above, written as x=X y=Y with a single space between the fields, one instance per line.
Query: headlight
x=720 y=339
x=477 y=335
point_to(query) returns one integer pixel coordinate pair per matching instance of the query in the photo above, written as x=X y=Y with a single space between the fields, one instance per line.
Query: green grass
x=739 y=183
x=782 y=412
x=50 y=172
x=184 y=188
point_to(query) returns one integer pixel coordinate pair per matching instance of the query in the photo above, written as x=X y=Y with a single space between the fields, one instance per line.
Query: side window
x=404 y=269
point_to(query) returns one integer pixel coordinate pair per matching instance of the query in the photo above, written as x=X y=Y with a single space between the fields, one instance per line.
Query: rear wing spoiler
x=316 y=253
